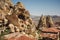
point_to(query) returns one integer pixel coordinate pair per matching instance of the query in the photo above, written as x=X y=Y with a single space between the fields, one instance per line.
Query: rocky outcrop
x=50 y=33
x=47 y=28
x=15 y=17
x=45 y=22
x=49 y=21
x=19 y=36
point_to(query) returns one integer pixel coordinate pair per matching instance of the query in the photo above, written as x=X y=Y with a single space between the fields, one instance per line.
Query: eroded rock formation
x=45 y=22
x=15 y=17
x=49 y=21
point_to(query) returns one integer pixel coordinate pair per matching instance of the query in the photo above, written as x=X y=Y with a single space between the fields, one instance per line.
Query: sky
x=41 y=7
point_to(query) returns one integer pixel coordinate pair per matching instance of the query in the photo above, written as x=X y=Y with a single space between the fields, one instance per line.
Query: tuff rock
x=15 y=17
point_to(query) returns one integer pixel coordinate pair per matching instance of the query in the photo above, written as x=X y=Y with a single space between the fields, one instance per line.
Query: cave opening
x=21 y=17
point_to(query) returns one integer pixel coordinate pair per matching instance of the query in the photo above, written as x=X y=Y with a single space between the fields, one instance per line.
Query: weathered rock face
x=5 y=6
x=49 y=21
x=18 y=36
x=15 y=17
x=42 y=22
x=45 y=22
